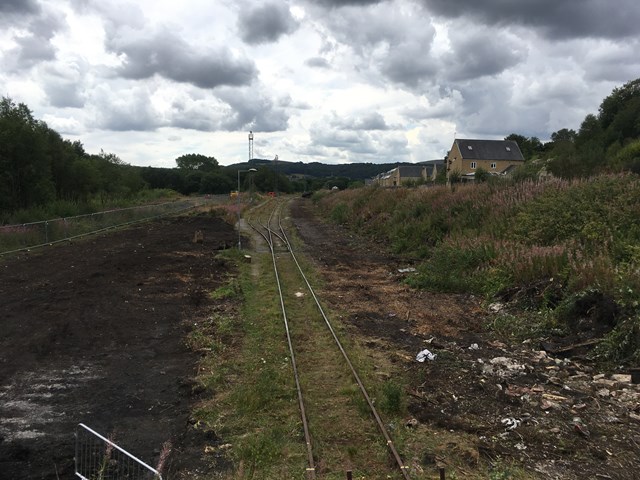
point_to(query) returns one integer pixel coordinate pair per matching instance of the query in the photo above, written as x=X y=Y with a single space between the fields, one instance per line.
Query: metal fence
x=98 y=458
x=14 y=238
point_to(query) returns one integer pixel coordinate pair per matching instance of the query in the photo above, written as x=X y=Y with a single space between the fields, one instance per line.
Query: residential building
x=497 y=157
x=404 y=174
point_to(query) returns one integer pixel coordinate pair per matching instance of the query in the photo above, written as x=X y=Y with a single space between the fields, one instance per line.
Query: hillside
x=352 y=171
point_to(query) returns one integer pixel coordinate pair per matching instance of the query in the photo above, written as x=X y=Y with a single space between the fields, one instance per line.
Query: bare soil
x=94 y=332
x=556 y=416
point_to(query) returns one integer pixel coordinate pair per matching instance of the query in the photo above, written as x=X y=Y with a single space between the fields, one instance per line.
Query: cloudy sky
x=326 y=80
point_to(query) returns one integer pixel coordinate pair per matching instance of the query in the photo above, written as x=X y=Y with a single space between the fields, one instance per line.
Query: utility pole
x=275 y=168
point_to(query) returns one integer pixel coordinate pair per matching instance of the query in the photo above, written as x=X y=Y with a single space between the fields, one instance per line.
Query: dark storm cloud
x=480 y=54
x=34 y=41
x=394 y=41
x=21 y=7
x=556 y=19
x=167 y=55
x=32 y=50
x=409 y=66
x=266 y=23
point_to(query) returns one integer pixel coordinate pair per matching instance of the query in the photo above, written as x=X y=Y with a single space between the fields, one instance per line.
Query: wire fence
x=15 y=238
x=98 y=458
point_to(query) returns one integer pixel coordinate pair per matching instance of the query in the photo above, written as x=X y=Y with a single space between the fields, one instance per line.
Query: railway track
x=343 y=431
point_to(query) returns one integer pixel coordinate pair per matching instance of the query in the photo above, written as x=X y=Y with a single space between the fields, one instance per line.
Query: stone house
x=498 y=157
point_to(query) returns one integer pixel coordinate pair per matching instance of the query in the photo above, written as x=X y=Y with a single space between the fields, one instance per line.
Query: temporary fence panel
x=98 y=458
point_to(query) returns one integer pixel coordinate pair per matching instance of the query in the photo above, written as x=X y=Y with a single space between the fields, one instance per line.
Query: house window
x=493 y=165
x=469 y=147
x=473 y=165
x=508 y=149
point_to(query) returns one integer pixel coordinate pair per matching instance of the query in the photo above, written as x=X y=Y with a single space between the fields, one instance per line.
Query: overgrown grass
x=487 y=239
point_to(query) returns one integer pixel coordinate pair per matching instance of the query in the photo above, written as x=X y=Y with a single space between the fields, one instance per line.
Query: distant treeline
x=40 y=168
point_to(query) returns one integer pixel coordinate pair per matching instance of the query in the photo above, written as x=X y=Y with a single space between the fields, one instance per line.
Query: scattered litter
x=496 y=307
x=511 y=423
x=412 y=422
x=503 y=367
x=299 y=294
x=425 y=355
x=474 y=346
x=521 y=446
x=406 y=270
x=622 y=378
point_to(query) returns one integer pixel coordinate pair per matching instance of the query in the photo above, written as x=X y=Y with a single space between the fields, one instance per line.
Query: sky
x=316 y=81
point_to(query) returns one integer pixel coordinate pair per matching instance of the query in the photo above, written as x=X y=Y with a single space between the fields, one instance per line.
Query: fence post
x=46 y=232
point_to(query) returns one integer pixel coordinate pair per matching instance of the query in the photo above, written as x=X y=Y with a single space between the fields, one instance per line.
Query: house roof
x=489 y=149
x=410 y=171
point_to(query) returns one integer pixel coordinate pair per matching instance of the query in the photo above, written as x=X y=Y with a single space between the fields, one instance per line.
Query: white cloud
x=329 y=81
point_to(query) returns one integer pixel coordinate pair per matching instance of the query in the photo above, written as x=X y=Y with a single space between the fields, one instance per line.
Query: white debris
x=406 y=270
x=425 y=355
x=496 y=307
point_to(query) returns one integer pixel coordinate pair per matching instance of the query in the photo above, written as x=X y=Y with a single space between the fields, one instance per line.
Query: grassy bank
x=562 y=250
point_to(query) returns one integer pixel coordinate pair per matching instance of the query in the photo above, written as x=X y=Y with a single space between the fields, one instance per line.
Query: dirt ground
x=555 y=415
x=94 y=332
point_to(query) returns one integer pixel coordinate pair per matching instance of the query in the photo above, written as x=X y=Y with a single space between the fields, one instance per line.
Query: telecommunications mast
x=250 y=145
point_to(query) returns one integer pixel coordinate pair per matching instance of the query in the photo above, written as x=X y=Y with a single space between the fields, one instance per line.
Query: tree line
x=608 y=141
x=38 y=167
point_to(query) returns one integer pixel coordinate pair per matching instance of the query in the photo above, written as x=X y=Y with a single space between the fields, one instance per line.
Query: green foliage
x=628 y=158
x=38 y=167
x=481 y=175
x=339 y=213
x=391 y=401
x=595 y=148
x=196 y=161
x=454 y=268
x=529 y=147
x=549 y=240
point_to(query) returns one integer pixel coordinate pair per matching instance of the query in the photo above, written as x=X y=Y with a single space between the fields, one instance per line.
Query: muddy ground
x=94 y=332
x=556 y=415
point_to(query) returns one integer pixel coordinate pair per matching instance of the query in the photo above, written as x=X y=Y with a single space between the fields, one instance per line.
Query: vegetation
x=606 y=142
x=552 y=242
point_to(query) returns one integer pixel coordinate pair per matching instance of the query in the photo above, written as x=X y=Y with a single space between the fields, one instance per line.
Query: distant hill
x=353 y=171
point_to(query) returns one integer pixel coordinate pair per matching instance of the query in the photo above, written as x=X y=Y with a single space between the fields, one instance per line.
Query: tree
x=25 y=172
x=195 y=161
x=481 y=175
x=530 y=147
x=564 y=135
x=213 y=182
